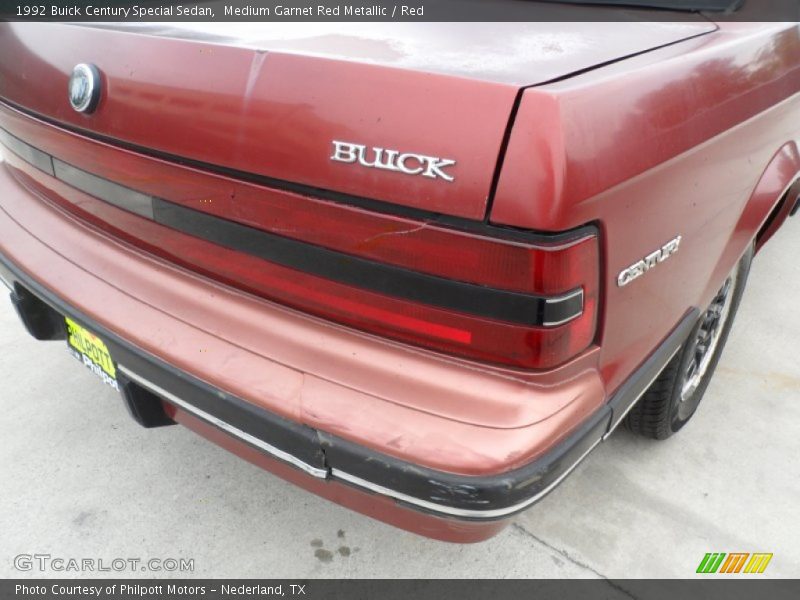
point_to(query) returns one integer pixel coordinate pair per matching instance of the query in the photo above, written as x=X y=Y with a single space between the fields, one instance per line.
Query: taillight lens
x=553 y=273
x=527 y=301
x=548 y=271
x=491 y=340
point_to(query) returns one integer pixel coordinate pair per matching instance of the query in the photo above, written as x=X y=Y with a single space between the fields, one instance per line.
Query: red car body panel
x=275 y=114
x=645 y=140
x=690 y=130
x=252 y=115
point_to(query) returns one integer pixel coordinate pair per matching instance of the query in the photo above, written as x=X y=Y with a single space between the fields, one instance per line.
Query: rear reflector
x=528 y=301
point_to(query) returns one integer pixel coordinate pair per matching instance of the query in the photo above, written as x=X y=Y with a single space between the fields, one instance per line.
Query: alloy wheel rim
x=707 y=339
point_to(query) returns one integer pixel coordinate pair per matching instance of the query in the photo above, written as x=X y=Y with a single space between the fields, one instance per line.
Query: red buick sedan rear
x=403 y=272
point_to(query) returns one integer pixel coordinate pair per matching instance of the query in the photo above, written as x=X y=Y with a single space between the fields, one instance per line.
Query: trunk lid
x=267 y=102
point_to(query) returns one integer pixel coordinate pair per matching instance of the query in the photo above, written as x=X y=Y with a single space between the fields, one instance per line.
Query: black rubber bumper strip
x=393 y=281
x=488 y=497
x=326 y=456
x=298 y=440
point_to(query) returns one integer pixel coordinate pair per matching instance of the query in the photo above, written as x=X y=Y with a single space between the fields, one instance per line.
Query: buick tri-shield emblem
x=84 y=88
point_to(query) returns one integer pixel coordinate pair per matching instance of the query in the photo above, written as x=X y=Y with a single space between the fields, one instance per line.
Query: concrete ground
x=80 y=479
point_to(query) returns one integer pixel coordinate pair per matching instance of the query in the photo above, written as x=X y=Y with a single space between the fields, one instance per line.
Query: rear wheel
x=673 y=397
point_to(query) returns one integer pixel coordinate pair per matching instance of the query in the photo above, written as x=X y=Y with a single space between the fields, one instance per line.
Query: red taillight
x=528 y=301
x=552 y=271
x=573 y=268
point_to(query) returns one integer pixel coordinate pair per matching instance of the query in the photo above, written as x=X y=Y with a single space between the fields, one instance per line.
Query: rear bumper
x=432 y=444
x=217 y=414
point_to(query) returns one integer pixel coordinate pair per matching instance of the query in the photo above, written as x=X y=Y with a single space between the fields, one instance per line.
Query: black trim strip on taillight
x=386 y=279
x=390 y=280
x=113 y=193
x=26 y=152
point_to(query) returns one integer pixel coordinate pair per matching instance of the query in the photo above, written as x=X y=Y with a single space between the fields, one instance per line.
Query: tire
x=674 y=396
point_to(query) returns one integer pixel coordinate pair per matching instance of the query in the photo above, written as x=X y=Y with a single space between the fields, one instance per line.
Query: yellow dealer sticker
x=92 y=352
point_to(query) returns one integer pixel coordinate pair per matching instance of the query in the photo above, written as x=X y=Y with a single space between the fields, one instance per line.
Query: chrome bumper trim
x=460 y=512
x=343 y=475
x=227 y=427
x=6 y=283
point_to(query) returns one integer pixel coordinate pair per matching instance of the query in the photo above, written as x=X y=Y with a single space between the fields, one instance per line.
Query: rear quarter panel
x=670 y=143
